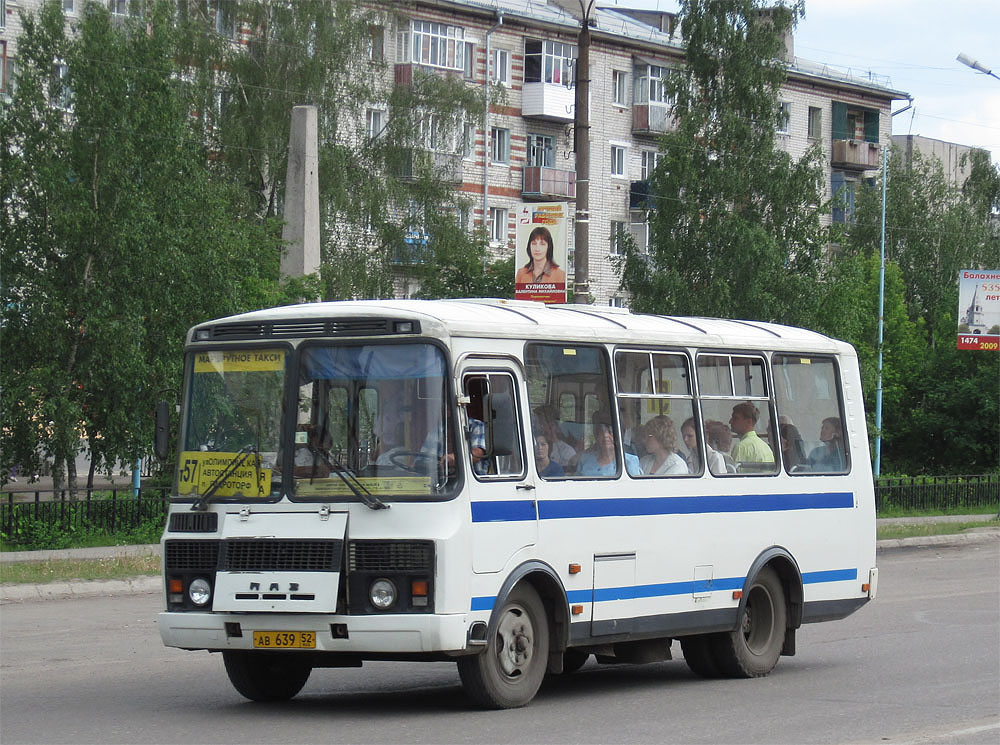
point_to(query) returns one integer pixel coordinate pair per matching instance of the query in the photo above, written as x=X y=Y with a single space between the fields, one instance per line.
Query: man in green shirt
x=750 y=449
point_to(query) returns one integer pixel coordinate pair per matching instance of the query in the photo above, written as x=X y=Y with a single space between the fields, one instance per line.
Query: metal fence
x=117 y=510
x=99 y=510
x=939 y=493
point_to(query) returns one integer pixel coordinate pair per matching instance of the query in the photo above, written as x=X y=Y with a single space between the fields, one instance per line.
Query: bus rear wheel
x=753 y=648
x=266 y=676
x=508 y=673
x=699 y=654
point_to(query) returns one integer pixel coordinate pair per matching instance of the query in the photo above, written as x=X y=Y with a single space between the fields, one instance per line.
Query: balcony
x=548 y=101
x=548 y=183
x=652 y=119
x=855 y=155
x=412 y=164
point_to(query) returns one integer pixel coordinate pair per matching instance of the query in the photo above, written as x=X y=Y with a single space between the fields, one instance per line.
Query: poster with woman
x=540 y=258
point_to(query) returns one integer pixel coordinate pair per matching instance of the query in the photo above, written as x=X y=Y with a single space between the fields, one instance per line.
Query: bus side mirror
x=501 y=434
x=161 y=440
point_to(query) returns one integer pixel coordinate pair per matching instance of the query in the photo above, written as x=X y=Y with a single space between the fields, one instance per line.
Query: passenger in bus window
x=716 y=462
x=601 y=459
x=829 y=456
x=547 y=420
x=660 y=437
x=547 y=468
x=719 y=439
x=750 y=448
x=792 y=450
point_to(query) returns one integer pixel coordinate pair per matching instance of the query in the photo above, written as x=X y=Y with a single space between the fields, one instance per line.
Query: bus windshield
x=232 y=433
x=372 y=418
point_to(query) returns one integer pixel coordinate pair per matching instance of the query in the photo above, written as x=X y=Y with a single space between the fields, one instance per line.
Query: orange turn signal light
x=418 y=587
x=737 y=594
x=574 y=568
x=865 y=587
x=577 y=610
x=176 y=585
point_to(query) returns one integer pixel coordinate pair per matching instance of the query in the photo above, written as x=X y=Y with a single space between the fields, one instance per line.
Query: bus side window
x=493 y=426
x=812 y=433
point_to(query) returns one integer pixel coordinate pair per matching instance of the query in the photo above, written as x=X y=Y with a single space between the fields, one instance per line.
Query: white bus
x=514 y=487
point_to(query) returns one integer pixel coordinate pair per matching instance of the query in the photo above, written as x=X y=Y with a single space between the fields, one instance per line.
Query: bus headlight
x=382 y=594
x=200 y=591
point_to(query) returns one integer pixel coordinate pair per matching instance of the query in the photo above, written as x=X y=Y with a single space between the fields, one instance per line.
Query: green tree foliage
x=939 y=403
x=116 y=237
x=387 y=153
x=735 y=228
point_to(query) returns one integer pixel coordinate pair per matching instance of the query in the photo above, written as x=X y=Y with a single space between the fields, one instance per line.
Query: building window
x=784 y=116
x=616 y=302
x=438 y=45
x=650 y=158
x=618 y=160
x=468 y=140
x=498 y=225
x=376 y=43
x=541 y=150
x=815 y=122
x=69 y=8
x=3 y=63
x=374 y=123
x=617 y=239
x=651 y=84
x=843 y=191
x=500 y=66
x=63 y=94
x=549 y=62
x=500 y=145
x=619 y=88
x=118 y=7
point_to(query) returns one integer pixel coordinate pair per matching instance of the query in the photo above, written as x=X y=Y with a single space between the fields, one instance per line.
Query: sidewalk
x=147 y=585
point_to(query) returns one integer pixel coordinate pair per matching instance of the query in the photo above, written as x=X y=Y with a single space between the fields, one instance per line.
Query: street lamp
x=976 y=65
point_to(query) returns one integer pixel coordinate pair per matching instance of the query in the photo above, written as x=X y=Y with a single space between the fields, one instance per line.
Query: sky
x=914 y=44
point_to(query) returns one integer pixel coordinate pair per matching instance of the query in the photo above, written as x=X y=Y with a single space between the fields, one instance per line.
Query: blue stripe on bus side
x=506 y=511
x=605 y=594
x=560 y=509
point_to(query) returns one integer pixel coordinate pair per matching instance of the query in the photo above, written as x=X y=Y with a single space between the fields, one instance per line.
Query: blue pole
x=136 y=477
x=881 y=326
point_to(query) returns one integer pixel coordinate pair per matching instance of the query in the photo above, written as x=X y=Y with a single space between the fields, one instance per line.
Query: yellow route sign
x=199 y=469
x=240 y=360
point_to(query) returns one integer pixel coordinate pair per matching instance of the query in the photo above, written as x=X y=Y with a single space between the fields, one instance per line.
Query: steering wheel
x=420 y=462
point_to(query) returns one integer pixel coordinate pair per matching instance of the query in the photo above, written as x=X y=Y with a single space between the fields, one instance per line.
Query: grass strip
x=930 y=528
x=63 y=570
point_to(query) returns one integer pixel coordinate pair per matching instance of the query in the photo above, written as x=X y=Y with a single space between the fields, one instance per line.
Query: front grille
x=282 y=555
x=194 y=522
x=390 y=556
x=187 y=555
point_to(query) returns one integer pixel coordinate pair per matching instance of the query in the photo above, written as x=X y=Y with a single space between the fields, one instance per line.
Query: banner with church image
x=540 y=255
x=979 y=309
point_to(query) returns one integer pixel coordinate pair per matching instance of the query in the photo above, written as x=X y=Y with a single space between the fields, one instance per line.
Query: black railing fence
x=938 y=493
x=118 y=510
x=102 y=510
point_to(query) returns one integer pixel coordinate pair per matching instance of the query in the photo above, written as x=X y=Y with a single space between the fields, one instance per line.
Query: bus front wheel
x=266 y=676
x=753 y=648
x=508 y=673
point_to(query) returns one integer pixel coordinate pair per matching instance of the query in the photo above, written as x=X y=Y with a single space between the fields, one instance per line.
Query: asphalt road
x=921 y=664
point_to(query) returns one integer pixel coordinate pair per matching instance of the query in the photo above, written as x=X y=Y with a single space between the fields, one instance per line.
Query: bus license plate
x=284 y=640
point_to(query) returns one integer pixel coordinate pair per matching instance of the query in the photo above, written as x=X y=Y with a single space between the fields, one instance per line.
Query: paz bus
x=512 y=486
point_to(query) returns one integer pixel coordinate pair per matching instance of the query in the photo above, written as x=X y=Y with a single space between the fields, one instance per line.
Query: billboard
x=979 y=309
x=540 y=253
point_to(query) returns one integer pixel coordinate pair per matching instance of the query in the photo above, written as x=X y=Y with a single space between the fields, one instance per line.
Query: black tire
x=699 y=654
x=573 y=660
x=266 y=676
x=508 y=673
x=753 y=648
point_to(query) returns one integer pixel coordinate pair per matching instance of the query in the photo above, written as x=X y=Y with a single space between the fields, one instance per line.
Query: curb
x=152 y=584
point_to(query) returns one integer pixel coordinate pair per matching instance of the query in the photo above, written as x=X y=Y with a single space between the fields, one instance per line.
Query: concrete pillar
x=301 y=230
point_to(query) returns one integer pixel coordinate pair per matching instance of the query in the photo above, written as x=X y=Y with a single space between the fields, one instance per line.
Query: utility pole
x=301 y=230
x=581 y=143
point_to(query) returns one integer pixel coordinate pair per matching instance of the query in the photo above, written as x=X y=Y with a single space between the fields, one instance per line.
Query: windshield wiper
x=353 y=483
x=241 y=456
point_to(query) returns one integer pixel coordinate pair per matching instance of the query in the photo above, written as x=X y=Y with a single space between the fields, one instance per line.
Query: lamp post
x=976 y=65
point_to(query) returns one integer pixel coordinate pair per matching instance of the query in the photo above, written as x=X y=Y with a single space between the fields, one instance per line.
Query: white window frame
x=617 y=233
x=65 y=102
x=500 y=145
x=375 y=121
x=650 y=85
x=619 y=161
x=468 y=143
x=557 y=62
x=619 y=88
x=784 y=117
x=498 y=225
x=69 y=8
x=650 y=159
x=118 y=7
x=500 y=67
x=438 y=45
x=544 y=145
x=815 y=118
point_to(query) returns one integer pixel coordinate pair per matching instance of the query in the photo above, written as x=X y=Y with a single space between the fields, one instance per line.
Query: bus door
x=504 y=511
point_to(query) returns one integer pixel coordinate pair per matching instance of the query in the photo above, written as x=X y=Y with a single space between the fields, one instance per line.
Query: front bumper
x=376 y=635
